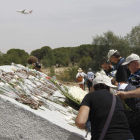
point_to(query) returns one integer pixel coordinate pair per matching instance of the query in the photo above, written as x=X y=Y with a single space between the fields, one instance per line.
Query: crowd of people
x=113 y=116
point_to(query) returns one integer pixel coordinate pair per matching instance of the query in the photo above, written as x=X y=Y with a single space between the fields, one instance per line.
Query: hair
x=32 y=59
x=101 y=86
x=116 y=54
x=113 y=81
x=105 y=60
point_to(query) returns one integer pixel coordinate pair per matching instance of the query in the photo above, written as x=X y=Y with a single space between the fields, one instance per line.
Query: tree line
x=84 y=56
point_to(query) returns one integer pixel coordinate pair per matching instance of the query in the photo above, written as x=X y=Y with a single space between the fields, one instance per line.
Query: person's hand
x=90 y=80
x=121 y=94
x=34 y=64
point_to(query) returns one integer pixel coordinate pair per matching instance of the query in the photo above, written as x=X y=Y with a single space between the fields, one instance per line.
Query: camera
x=38 y=65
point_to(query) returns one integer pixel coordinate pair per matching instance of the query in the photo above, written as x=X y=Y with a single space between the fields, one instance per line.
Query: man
x=108 y=68
x=132 y=98
x=123 y=72
x=96 y=106
x=90 y=77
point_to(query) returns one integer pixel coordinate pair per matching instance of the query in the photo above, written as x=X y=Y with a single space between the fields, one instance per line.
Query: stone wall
x=18 y=123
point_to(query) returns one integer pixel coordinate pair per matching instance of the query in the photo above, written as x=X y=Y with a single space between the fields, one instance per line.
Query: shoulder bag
x=109 y=118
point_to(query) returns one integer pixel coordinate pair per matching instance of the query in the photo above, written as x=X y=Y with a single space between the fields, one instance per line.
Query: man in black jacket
x=123 y=72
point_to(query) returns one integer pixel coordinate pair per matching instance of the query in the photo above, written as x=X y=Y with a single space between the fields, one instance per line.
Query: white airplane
x=25 y=12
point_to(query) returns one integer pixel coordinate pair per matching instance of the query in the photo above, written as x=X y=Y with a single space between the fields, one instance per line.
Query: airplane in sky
x=25 y=12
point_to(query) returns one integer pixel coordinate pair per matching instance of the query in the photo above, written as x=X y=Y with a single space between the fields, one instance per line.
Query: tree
x=61 y=57
x=17 y=56
x=108 y=38
x=40 y=53
x=48 y=60
x=85 y=63
x=133 y=39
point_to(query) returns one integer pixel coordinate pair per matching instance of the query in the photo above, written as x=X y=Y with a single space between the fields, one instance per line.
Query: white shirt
x=81 y=74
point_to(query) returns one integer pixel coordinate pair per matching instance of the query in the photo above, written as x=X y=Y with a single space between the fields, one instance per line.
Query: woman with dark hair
x=96 y=106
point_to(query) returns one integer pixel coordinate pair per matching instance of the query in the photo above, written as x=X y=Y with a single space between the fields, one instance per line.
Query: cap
x=131 y=58
x=104 y=80
x=110 y=53
x=89 y=69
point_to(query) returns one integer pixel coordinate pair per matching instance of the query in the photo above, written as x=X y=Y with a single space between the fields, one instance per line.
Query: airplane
x=25 y=12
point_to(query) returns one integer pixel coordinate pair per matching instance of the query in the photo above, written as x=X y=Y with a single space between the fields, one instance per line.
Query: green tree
x=40 y=53
x=48 y=60
x=17 y=56
x=85 y=63
x=133 y=39
x=61 y=57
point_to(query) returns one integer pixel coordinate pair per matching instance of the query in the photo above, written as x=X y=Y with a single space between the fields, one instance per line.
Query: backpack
x=80 y=79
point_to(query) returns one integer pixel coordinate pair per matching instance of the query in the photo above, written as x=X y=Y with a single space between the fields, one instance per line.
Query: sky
x=63 y=23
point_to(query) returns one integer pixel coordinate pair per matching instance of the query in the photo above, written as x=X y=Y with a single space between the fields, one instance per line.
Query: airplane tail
x=30 y=11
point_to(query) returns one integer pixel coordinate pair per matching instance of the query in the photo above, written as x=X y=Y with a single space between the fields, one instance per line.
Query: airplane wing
x=21 y=11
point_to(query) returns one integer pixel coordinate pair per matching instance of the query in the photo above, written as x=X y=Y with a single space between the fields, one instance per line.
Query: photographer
x=34 y=61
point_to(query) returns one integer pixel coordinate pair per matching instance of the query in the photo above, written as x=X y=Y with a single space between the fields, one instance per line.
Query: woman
x=80 y=78
x=96 y=106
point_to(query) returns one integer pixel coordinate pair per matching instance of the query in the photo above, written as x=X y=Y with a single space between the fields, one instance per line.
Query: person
x=132 y=96
x=96 y=106
x=34 y=61
x=123 y=72
x=81 y=74
x=90 y=77
x=109 y=69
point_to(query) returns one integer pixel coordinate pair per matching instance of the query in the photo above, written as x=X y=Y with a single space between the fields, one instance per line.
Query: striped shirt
x=132 y=105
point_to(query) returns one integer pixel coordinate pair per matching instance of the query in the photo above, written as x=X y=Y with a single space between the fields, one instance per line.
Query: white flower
x=18 y=87
x=31 y=77
x=77 y=93
x=1 y=84
x=68 y=118
x=13 y=81
x=69 y=109
x=16 y=77
x=71 y=122
x=6 y=84
x=12 y=63
x=14 y=69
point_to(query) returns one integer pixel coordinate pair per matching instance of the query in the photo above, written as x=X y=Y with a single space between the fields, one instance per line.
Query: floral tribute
x=34 y=88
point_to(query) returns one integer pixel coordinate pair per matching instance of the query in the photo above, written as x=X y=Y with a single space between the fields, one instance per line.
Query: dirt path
x=59 y=71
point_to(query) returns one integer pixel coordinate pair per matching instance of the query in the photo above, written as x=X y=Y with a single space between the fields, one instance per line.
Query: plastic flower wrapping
x=34 y=88
x=26 y=85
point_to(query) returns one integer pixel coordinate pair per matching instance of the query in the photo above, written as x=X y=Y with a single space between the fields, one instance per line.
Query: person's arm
x=82 y=117
x=129 y=94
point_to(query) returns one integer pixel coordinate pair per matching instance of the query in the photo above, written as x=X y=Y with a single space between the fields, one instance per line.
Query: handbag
x=80 y=79
x=109 y=118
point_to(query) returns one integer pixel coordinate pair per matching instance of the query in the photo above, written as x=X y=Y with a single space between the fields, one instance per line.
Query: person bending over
x=96 y=106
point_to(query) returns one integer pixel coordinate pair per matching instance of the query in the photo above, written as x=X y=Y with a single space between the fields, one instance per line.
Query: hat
x=110 y=53
x=80 y=70
x=104 y=80
x=89 y=69
x=131 y=58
